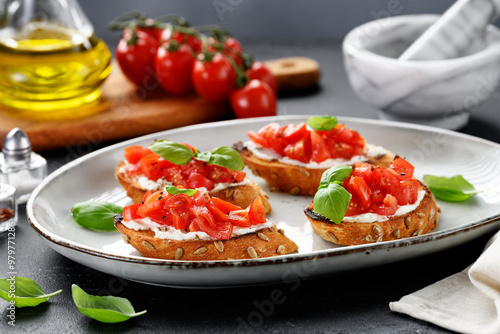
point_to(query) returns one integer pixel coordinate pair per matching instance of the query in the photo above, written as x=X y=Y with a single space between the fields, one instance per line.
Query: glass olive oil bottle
x=53 y=61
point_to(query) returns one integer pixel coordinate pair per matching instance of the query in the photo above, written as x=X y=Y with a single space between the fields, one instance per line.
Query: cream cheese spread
x=168 y=232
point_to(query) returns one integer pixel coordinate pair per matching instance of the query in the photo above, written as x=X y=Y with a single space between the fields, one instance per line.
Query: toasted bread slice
x=422 y=220
x=262 y=243
x=239 y=194
x=295 y=180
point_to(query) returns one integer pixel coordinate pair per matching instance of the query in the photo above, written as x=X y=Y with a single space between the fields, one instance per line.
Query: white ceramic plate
x=432 y=151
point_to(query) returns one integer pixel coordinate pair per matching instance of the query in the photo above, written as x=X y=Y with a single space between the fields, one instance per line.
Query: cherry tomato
x=259 y=71
x=319 y=147
x=224 y=206
x=214 y=78
x=135 y=53
x=173 y=66
x=388 y=207
x=133 y=154
x=182 y=38
x=300 y=150
x=255 y=99
x=230 y=47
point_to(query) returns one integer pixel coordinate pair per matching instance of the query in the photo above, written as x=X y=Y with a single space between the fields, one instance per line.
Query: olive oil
x=49 y=68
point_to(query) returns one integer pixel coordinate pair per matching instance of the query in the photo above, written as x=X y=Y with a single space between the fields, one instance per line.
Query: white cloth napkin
x=467 y=302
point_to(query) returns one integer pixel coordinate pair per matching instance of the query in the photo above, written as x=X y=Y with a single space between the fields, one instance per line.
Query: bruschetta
x=292 y=158
x=166 y=162
x=190 y=225
x=365 y=204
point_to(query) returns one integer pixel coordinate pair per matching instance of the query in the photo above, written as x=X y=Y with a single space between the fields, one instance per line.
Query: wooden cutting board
x=126 y=112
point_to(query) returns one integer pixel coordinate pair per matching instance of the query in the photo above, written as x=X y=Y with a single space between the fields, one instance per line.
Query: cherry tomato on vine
x=182 y=38
x=255 y=99
x=173 y=66
x=230 y=47
x=259 y=71
x=213 y=77
x=135 y=53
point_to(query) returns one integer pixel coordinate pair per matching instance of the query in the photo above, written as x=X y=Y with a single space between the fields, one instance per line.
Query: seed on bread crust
x=219 y=246
x=148 y=245
x=408 y=221
x=295 y=190
x=251 y=251
x=179 y=252
x=281 y=250
x=332 y=236
x=200 y=250
x=125 y=238
x=263 y=236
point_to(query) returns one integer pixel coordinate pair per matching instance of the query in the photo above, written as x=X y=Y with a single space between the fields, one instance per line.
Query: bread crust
x=241 y=195
x=295 y=180
x=265 y=242
x=419 y=221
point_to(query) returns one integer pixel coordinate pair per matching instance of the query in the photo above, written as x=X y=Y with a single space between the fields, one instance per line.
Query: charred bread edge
x=263 y=243
x=295 y=180
x=241 y=195
x=419 y=221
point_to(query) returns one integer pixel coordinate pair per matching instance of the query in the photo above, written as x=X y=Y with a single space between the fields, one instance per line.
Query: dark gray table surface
x=352 y=302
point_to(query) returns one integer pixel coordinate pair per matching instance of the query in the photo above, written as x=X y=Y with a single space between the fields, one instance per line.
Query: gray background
x=264 y=20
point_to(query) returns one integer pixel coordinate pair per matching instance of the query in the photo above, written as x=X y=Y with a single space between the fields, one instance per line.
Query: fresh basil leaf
x=172 y=151
x=107 y=309
x=222 y=156
x=23 y=292
x=334 y=174
x=96 y=216
x=172 y=190
x=331 y=202
x=451 y=189
x=323 y=123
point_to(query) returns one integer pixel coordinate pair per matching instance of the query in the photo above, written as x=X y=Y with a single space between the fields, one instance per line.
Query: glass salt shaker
x=19 y=166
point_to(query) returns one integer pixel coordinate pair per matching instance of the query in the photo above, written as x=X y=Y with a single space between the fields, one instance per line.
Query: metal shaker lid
x=16 y=145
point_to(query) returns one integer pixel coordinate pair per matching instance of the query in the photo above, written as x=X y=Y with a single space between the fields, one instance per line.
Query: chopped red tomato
x=379 y=190
x=239 y=218
x=299 y=142
x=133 y=153
x=194 y=174
x=256 y=212
x=224 y=206
x=402 y=167
x=130 y=212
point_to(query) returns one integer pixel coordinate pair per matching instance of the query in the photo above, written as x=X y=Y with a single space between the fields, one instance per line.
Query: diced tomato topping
x=224 y=206
x=379 y=190
x=319 y=147
x=239 y=218
x=130 y=212
x=300 y=143
x=194 y=174
x=402 y=167
x=133 y=153
x=358 y=186
x=198 y=212
x=256 y=212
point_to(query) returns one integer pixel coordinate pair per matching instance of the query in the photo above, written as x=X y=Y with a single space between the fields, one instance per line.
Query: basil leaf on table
x=451 y=189
x=323 y=123
x=172 y=151
x=107 y=309
x=172 y=190
x=96 y=215
x=26 y=293
x=222 y=156
x=332 y=202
